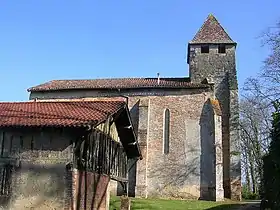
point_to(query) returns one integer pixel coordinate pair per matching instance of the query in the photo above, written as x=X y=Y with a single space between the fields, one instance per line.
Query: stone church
x=187 y=126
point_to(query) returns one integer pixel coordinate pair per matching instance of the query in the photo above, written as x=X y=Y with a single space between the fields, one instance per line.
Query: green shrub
x=271 y=162
x=248 y=195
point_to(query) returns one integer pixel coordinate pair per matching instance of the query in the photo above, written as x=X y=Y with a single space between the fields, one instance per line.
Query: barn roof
x=116 y=83
x=211 y=32
x=71 y=114
x=57 y=114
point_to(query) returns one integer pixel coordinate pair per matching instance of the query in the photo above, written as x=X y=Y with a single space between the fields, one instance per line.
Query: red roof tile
x=118 y=83
x=52 y=114
x=211 y=32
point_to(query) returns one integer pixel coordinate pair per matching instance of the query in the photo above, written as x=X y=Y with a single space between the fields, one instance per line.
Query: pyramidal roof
x=211 y=32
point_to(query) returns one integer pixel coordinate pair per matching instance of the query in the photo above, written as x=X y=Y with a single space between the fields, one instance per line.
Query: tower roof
x=211 y=32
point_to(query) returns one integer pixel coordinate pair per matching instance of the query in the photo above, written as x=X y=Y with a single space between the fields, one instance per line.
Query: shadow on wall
x=173 y=176
x=38 y=186
x=223 y=95
x=207 y=158
x=42 y=179
x=132 y=167
x=42 y=187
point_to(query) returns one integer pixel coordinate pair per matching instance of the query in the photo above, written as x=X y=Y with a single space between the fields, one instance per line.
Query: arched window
x=166 y=131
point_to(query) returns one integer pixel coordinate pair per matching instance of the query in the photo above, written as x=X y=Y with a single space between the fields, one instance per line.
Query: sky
x=66 y=39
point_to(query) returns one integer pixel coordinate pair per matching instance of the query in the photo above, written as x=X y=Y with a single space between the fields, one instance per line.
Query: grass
x=161 y=204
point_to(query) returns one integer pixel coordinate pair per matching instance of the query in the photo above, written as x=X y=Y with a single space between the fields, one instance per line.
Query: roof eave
x=129 y=138
x=133 y=131
x=82 y=125
x=212 y=42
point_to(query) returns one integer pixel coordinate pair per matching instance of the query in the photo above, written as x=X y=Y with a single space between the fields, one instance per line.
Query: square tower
x=211 y=56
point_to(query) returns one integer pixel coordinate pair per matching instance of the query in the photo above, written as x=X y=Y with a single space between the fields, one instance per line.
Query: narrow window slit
x=166 y=131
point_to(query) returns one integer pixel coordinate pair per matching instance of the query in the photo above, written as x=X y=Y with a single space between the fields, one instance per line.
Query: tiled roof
x=117 y=83
x=57 y=114
x=211 y=32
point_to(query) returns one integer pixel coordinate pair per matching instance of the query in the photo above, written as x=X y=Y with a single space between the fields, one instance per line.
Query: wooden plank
x=11 y=144
x=3 y=144
x=1 y=140
x=119 y=179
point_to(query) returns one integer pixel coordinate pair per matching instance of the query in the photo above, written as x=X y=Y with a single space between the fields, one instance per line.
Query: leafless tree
x=266 y=86
x=256 y=107
x=254 y=132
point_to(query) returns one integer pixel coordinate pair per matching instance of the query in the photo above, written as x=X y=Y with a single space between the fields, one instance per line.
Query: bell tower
x=211 y=56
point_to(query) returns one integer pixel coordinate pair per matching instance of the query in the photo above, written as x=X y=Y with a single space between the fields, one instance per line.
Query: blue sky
x=67 y=39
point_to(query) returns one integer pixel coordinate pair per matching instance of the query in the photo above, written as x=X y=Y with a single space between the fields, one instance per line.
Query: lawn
x=156 y=204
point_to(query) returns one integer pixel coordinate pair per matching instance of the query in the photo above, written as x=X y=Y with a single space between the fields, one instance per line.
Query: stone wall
x=40 y=177
x=207 y=158
x=177 y=174
x=220 y=68
x=211 y=168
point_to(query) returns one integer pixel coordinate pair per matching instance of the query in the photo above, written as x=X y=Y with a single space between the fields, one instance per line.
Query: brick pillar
x=90 y=191
x=219 y=191
x=141 y=173
x=138 y=175
x=235 y=157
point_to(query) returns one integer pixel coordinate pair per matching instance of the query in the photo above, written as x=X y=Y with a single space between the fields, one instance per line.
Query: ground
x=157 y=204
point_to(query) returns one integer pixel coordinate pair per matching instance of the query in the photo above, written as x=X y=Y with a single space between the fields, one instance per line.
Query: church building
x=187 y=127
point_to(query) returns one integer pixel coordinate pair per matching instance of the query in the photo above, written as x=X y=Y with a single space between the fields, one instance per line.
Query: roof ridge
x=117 y=83
x=112 y=78
x=60 y=101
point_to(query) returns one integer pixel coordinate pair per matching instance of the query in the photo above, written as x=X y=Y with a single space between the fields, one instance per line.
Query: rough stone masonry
x=187 y=127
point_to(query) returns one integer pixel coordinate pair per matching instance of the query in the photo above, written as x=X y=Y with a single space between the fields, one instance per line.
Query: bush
x=271 y=163
x=248 y=195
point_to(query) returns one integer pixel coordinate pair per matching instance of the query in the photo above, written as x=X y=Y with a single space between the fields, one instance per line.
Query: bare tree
x=254 y=139
x=266 y=86
x=256 y=108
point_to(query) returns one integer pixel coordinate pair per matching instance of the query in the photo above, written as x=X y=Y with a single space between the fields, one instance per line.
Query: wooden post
x=125 y=203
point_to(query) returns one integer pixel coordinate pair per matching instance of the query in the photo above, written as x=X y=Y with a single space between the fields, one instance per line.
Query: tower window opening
x=205 y=49
x=222 y=48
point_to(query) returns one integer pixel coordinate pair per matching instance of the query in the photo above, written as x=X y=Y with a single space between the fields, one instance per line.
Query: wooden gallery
x=64 y=154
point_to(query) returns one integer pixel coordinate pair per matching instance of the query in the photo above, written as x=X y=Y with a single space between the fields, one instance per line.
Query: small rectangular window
x=205 y=49
x=222 y=48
